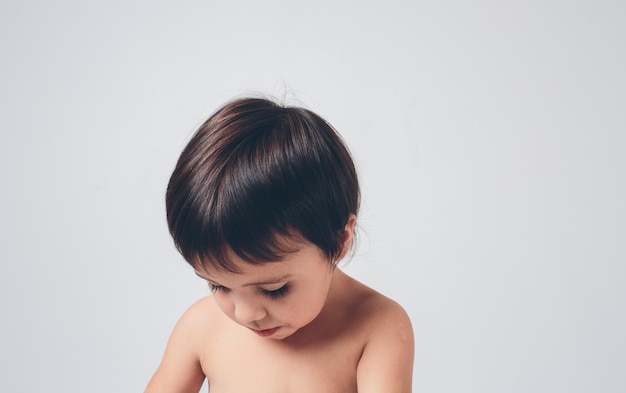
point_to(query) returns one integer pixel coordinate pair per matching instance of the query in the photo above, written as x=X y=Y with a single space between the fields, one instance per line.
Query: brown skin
x=334 y=334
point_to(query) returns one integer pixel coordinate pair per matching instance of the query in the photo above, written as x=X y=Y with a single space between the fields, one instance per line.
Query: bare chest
x=239 y=366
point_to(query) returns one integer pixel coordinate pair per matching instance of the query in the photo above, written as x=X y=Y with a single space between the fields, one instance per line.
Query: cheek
x=304 y=307
x=224 y=303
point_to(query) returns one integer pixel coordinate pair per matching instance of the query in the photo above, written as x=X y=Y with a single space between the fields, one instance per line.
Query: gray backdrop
x=489 y=135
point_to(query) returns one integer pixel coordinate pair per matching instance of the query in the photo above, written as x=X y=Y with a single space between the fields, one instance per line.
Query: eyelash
x=275 y=294
x=216 y=288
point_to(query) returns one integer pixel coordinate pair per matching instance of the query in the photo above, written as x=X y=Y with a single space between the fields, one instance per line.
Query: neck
x=323 y=326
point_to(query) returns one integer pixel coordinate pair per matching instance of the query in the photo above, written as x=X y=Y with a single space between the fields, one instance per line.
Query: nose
x=247 y=311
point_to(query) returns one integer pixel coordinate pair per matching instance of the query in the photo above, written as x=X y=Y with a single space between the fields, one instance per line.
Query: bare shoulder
x=181 y=367
x=381 y=314
x=200 y=315
x=386 y=363
x=391 y=318
x=195 y=323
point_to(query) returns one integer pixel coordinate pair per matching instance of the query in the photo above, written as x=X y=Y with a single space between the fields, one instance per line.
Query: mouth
x=265 y=332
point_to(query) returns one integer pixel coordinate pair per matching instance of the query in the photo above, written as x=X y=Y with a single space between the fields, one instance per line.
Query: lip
x=265 y=332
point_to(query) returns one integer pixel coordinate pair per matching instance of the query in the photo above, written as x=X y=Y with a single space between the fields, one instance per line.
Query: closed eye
x=216 y=288
x=276 y=293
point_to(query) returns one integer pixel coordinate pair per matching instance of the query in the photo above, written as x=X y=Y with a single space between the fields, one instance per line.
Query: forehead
x=270 y=272
x=237 y=257
x=304 y=261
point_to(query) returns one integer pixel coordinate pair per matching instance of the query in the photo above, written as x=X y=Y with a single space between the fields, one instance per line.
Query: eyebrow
x=265 y=282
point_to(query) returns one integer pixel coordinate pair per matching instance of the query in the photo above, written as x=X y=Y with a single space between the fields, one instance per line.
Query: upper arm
x=386 y=364
x=180 y=370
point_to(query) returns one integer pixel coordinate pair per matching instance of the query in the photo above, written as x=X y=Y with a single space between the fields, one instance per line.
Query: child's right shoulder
x=200 y=318
x=181 y=367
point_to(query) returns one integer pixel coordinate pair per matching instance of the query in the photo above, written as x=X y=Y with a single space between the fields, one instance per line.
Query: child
x=263 y=204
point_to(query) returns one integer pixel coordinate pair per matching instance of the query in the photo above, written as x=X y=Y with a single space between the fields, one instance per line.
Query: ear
x=347 y=237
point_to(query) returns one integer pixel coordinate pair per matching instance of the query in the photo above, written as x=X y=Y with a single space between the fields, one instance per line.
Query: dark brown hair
x=256 y=173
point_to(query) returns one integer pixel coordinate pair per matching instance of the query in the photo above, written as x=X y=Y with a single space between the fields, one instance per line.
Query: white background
x=490 y=138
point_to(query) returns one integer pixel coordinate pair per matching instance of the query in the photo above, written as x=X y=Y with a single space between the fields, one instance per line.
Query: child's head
x=255 y=174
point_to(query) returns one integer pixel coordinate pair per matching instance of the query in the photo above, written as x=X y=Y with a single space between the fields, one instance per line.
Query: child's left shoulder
x=386 y=362
x=377 y=311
